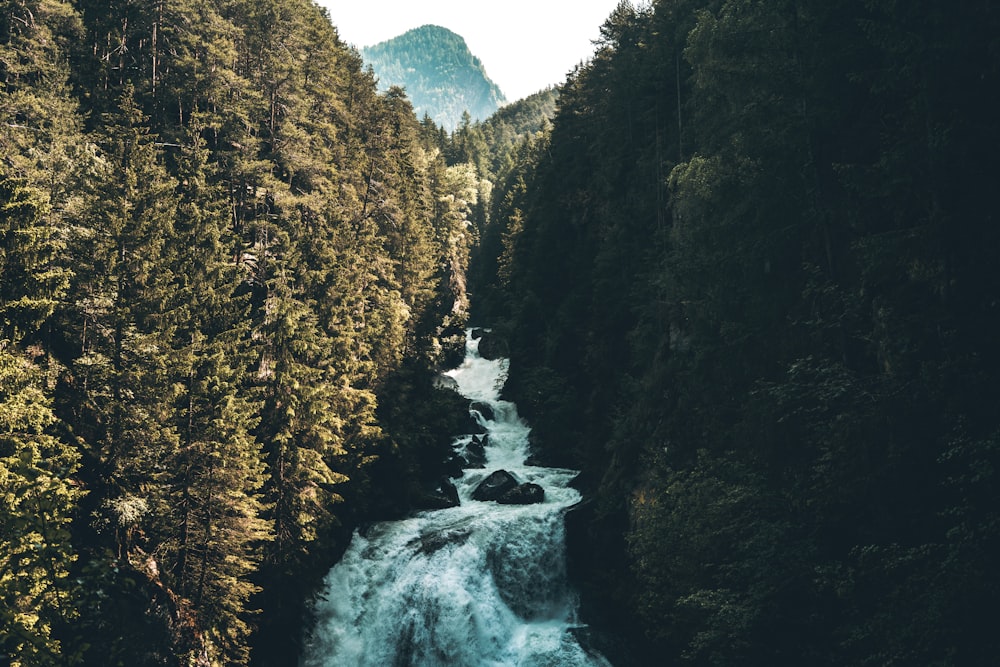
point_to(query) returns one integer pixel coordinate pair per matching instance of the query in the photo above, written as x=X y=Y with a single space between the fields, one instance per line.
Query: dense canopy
x=227 y=266
x=751 y=282
x=746 y=276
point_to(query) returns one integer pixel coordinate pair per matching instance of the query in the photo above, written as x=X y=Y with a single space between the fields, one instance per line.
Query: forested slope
x=751 y=286
x=442 y=78
x=748 y=276
x=228 y=267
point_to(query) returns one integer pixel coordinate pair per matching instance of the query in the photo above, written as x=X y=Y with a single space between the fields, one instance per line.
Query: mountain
x=441 y=76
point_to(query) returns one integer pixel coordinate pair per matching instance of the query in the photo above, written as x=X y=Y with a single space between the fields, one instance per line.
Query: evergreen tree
x=39 y=600
x=33 y=282
x=221 y=282
x=735 y=297
x=211 y=526
x=122 y=282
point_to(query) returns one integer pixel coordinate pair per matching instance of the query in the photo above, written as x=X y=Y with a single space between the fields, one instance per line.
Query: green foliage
x=38 y=498
x=29 y=249
x=748 y=281
x=442 y=77
x=120 y=288
x=216 y=276
x=748 y=269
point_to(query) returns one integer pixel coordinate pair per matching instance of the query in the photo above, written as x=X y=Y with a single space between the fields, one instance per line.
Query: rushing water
x=481 y=584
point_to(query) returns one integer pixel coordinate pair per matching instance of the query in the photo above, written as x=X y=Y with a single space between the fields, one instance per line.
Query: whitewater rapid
x=478 y=585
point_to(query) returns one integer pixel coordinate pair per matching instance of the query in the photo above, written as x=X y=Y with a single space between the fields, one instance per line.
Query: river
x=478 y=585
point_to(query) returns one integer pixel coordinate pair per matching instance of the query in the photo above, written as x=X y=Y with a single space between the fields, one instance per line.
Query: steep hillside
x=228 y=271
x=752 y=294
x=441 y=76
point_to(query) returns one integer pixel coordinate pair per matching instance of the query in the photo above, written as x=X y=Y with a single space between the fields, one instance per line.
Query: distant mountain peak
x=441 y=76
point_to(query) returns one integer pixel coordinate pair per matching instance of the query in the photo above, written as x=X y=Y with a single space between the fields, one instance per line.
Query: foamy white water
x=479 y=585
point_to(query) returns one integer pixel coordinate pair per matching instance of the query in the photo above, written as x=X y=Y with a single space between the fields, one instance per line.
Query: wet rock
x=431 y=501
x=445 y=496
x=431 y=542
x=493 y=346
x=523 y=494
x=475 y=452
x=485 y=409
x=454 y=467
x=448 y=490
x=442 y=381
x=495 y=485
x=477 y=333
x=471 y=425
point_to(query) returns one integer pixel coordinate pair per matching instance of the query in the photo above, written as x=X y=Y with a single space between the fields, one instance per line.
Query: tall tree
x=39 y=600
x=121 y=285
x=210 y=518
x=33 y=281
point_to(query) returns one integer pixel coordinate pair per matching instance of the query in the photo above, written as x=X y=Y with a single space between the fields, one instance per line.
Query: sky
x=525 y=45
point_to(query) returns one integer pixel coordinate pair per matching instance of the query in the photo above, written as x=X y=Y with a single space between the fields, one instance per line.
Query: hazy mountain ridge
x=441 y=76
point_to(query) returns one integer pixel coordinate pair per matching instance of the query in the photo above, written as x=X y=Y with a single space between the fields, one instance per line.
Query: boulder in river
x=442 y=381
x=448 y=490
x=493 y=346
x=445 y=496
x=495 y=485
x=523 y=494
x=472 y=425
x=475 y=452
x=437 y=540
x=485 y=409
x=455 y=465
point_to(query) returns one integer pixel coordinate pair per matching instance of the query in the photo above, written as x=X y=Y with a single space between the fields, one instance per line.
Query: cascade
x=482 y=584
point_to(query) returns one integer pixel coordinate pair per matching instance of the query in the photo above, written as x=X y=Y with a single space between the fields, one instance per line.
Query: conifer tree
x=33 y=282
x=39 y=495
x=122 y=286
x=209 y=526
x=39 y=600
x=42 y=150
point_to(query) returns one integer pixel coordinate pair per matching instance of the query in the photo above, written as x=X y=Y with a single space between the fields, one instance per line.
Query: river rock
x=442 y=381
x=435 y=541
x=493 y=346
x=471 y=425
x=448 y=490
x=476 y=333
x=454 y=466
x=485 y=409
x=523 y=494
x=445 y=496
x=498 y=483
x=475 y=452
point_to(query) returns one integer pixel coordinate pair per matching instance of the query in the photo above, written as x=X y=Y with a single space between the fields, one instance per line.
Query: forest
x=750 y=283
x=747 y=278
x=228 y=270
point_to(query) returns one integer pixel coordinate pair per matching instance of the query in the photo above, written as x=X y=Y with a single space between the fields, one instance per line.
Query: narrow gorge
x=481 y=583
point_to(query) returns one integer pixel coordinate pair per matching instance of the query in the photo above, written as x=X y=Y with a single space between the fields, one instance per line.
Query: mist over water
x=481 y=584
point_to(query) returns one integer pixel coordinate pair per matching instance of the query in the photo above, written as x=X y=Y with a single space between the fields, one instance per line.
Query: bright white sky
x=525 y=45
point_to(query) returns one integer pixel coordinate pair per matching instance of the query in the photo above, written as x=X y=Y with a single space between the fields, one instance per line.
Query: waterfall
x=481 y=584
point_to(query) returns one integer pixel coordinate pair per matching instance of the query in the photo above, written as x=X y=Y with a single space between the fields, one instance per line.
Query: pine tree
x=42 y=150
x=209 y=521
x=32 y=280
x=216 y=505
x=122 y=282
x=38 y=499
